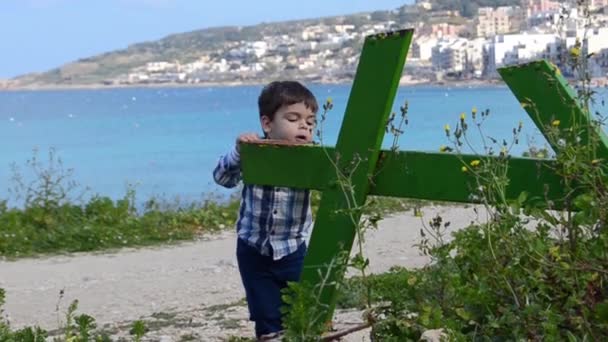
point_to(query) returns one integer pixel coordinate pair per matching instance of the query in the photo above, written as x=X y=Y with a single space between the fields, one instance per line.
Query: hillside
x=216 y=43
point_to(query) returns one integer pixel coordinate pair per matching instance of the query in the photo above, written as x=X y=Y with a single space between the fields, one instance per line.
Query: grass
x=102 y=224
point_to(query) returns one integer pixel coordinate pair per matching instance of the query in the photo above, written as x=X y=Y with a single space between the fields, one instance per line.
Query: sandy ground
x=186 y=291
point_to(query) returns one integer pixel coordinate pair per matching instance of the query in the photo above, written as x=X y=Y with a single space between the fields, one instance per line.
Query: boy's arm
x=227 y=173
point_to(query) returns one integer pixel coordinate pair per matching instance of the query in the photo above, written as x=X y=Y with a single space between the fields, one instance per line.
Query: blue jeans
x=263 y=279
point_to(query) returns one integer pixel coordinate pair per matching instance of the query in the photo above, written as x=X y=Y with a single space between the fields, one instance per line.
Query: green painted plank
x=404 y=174
x=369 y=105
x=546 y=96
x=296 y=166
x=439 y=177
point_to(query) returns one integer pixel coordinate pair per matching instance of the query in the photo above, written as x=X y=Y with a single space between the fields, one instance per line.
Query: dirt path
x=191 y=290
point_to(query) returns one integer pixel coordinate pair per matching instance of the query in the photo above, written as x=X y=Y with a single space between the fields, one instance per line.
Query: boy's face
x=294 y=123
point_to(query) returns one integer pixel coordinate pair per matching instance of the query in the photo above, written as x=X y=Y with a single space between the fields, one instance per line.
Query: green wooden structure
x=417 y=175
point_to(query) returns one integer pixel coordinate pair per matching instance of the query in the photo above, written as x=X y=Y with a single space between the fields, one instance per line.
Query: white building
x=344 y=28
x=450 y=55
x=315 y=32
x=596 y=43
x=424 y=4
x=257 y=48
x=422 y=48
x=597 y=39
x=597 y=4
x=221 y=66
x=475 y=61
x=160 y=66
x=511 y=49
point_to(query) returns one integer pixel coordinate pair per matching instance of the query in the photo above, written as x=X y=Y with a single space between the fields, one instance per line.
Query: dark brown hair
x=285 y=93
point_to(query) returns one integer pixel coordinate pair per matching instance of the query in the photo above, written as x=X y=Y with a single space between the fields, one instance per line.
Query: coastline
x=403 y=83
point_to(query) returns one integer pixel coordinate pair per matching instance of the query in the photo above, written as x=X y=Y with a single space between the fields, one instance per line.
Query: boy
x=273 y=222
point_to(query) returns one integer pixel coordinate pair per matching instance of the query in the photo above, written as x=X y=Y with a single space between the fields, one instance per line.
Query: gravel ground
x=190 y=291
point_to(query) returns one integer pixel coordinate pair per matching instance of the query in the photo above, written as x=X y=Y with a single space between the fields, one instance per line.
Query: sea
x=165 y=142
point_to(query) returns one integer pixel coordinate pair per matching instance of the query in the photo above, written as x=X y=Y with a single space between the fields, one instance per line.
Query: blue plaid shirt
x=274 y=220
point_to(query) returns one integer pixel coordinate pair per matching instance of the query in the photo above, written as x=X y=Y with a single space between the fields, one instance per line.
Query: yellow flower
x=446 y=127
x=555 y=123
x=503 y=151
x=595 y=161
x=443 y=148
x=329 y=100
x=474 y=111
x=475 y=163
x=575 y=52
x=462 y=116
x=464 y=169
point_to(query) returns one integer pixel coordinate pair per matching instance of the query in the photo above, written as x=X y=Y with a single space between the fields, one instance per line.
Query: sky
x=38 y=35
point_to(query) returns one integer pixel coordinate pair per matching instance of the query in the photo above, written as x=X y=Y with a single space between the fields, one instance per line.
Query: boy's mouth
x=301 y=138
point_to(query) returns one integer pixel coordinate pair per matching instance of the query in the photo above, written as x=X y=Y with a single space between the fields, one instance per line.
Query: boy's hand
x=246 y=137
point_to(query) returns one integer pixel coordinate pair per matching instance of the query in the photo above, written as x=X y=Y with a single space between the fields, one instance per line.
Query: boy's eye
x=311 y=122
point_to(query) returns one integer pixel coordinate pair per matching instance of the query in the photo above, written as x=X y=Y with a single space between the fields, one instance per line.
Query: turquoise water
x=166 y=141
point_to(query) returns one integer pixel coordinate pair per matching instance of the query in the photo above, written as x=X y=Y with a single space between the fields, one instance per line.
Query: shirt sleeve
x=227 y=173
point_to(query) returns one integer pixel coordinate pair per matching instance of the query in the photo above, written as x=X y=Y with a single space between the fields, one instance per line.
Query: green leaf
x=571 y=337
x=523 y=196
x=601 y=311
x=462 y=313
x=583 y=202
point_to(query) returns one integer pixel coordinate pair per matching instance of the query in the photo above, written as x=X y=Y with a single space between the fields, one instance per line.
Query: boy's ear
x=265 y=122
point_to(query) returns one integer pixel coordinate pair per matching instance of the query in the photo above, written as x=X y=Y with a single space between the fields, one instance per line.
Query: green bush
x=53 y=217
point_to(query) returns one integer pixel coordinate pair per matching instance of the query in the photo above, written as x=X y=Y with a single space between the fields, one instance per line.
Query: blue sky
x=37 y=35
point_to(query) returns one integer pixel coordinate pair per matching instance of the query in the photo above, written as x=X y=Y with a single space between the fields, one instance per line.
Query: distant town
x=447 y=47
